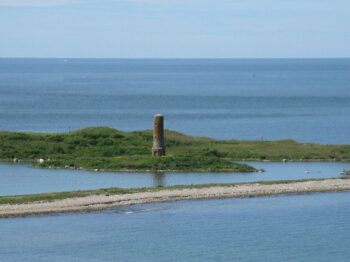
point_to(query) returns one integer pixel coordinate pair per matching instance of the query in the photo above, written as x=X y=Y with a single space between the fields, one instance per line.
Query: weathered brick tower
x=158 y=148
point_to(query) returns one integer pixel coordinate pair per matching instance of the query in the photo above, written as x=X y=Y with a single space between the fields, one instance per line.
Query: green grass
x=105 y=148
x=49 y=197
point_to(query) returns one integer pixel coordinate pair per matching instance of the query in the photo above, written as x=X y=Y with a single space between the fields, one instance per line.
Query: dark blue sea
x=307 y=100
x=303 y=99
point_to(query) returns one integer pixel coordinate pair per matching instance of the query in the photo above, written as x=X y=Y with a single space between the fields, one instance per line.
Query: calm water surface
x=289 y=228
x=306 y=100
x=21 y=179
x=302 y=99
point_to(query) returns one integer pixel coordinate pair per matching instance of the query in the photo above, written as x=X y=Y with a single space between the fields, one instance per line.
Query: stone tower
x=158 y=148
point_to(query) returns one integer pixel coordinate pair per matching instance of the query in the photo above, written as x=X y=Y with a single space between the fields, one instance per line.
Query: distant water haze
x=303 y=99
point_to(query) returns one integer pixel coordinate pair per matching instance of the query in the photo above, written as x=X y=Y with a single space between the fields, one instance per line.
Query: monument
x=158 y=148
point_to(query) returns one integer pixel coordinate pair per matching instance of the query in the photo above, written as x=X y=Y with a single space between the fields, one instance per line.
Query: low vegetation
x=104 y=148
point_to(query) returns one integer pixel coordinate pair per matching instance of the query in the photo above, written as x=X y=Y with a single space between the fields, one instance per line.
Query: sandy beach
x=100 y=202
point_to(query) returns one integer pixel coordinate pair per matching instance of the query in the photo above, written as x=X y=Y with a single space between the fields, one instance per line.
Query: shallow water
x=301 y=99
x=22 y=179
x=286 y=228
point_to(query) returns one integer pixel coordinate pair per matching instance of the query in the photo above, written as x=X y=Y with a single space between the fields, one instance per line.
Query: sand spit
x=100 y=202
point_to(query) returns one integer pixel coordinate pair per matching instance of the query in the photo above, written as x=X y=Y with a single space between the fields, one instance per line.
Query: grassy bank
x=103 y=148
x=49 y=197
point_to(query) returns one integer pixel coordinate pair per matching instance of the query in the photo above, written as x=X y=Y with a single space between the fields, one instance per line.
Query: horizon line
x=172 y=58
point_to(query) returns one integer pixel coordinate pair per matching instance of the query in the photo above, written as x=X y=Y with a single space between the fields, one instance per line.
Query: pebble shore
x=100 y=202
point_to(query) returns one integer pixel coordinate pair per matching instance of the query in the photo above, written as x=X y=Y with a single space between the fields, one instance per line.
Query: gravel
x=100 y=202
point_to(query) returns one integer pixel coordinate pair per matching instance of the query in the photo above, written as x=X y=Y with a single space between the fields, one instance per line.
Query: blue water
x=303 y=99
x=21 y=179
x=287 y=228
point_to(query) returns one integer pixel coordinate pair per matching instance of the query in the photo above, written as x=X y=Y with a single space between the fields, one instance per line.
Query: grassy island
x=104 y=148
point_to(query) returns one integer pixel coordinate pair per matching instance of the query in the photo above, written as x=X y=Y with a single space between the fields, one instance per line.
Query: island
x=108 y=149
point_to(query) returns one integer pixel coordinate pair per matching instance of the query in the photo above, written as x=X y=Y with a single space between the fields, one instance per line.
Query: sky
x=175 y=28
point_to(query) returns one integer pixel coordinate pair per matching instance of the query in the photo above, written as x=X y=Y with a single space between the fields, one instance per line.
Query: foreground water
x=288 y=228
x=305 y=100
x=302 y=99
x=22 y=179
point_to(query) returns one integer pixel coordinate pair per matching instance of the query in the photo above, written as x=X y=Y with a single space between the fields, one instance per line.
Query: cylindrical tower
x=158 y=148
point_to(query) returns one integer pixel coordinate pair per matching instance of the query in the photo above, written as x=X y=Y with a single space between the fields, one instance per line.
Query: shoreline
x=107 y=149
x=29 y=164
x=97 y=202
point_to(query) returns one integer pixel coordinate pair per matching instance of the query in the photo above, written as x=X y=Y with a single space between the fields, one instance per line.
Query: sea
x=307 y=100
x=22 y=179
x=310 y=227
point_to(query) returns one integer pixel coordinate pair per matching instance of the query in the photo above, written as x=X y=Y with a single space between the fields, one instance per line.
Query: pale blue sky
x=175 y=28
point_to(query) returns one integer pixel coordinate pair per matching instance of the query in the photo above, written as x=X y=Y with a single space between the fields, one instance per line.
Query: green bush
x=110 y=149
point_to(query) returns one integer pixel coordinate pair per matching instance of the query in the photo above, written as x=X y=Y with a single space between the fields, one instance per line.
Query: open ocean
x=303 y=99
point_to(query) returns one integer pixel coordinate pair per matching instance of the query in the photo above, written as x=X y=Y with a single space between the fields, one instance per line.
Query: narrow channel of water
x=22 y=179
